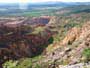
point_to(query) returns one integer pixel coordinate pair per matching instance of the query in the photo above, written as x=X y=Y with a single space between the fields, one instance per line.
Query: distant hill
x=39 y=9
x=41 y=4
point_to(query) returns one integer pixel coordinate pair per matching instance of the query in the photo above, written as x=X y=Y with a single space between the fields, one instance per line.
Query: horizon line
x=48 y=1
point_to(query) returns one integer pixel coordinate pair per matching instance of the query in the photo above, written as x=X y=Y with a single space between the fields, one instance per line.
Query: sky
x=26 y=1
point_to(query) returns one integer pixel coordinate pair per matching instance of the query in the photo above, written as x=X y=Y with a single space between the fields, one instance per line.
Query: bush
x=23 y=63
x=70 y=25
x=10 y=64
x=50 y=40
x=86 y=54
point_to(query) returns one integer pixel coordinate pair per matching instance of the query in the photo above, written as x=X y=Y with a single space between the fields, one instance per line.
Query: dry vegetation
x=62 y=41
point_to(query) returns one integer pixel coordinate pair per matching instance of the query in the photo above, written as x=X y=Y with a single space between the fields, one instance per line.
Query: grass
x=38 y=30
x=23 y=63
x=72 y=22
x=37 y=13
x=86 y=54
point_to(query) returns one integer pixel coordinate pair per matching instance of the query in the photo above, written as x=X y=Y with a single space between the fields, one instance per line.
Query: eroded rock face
x=17 y=45
x=70 y=49
x=18 y=41
x=77 y=33
x=80 y=43
x=71 y=36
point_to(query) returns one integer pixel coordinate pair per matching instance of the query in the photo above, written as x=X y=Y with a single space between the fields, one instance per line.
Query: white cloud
x=8 y=1
x=43 y=0
x=76 y=0
x=61 y=0
x=14 y=1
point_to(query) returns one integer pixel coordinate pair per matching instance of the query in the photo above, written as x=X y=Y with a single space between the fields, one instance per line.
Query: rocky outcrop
x=71 y=36
x=69 y=50
x=80 y=65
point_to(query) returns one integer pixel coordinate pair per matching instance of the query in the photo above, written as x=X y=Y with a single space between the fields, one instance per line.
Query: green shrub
x=57 y=38
x=10 y=64
x=70 y=25
x=51 y=40
x=23 y=63
x=37 y=66
x=86 y=54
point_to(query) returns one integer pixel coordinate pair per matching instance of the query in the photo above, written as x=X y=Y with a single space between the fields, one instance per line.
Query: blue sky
x=25 y=1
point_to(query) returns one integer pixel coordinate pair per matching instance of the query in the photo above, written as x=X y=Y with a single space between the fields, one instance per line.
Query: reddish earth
x=15 y=44
x=37 y=21
x=14 y=22
x=18 y=45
